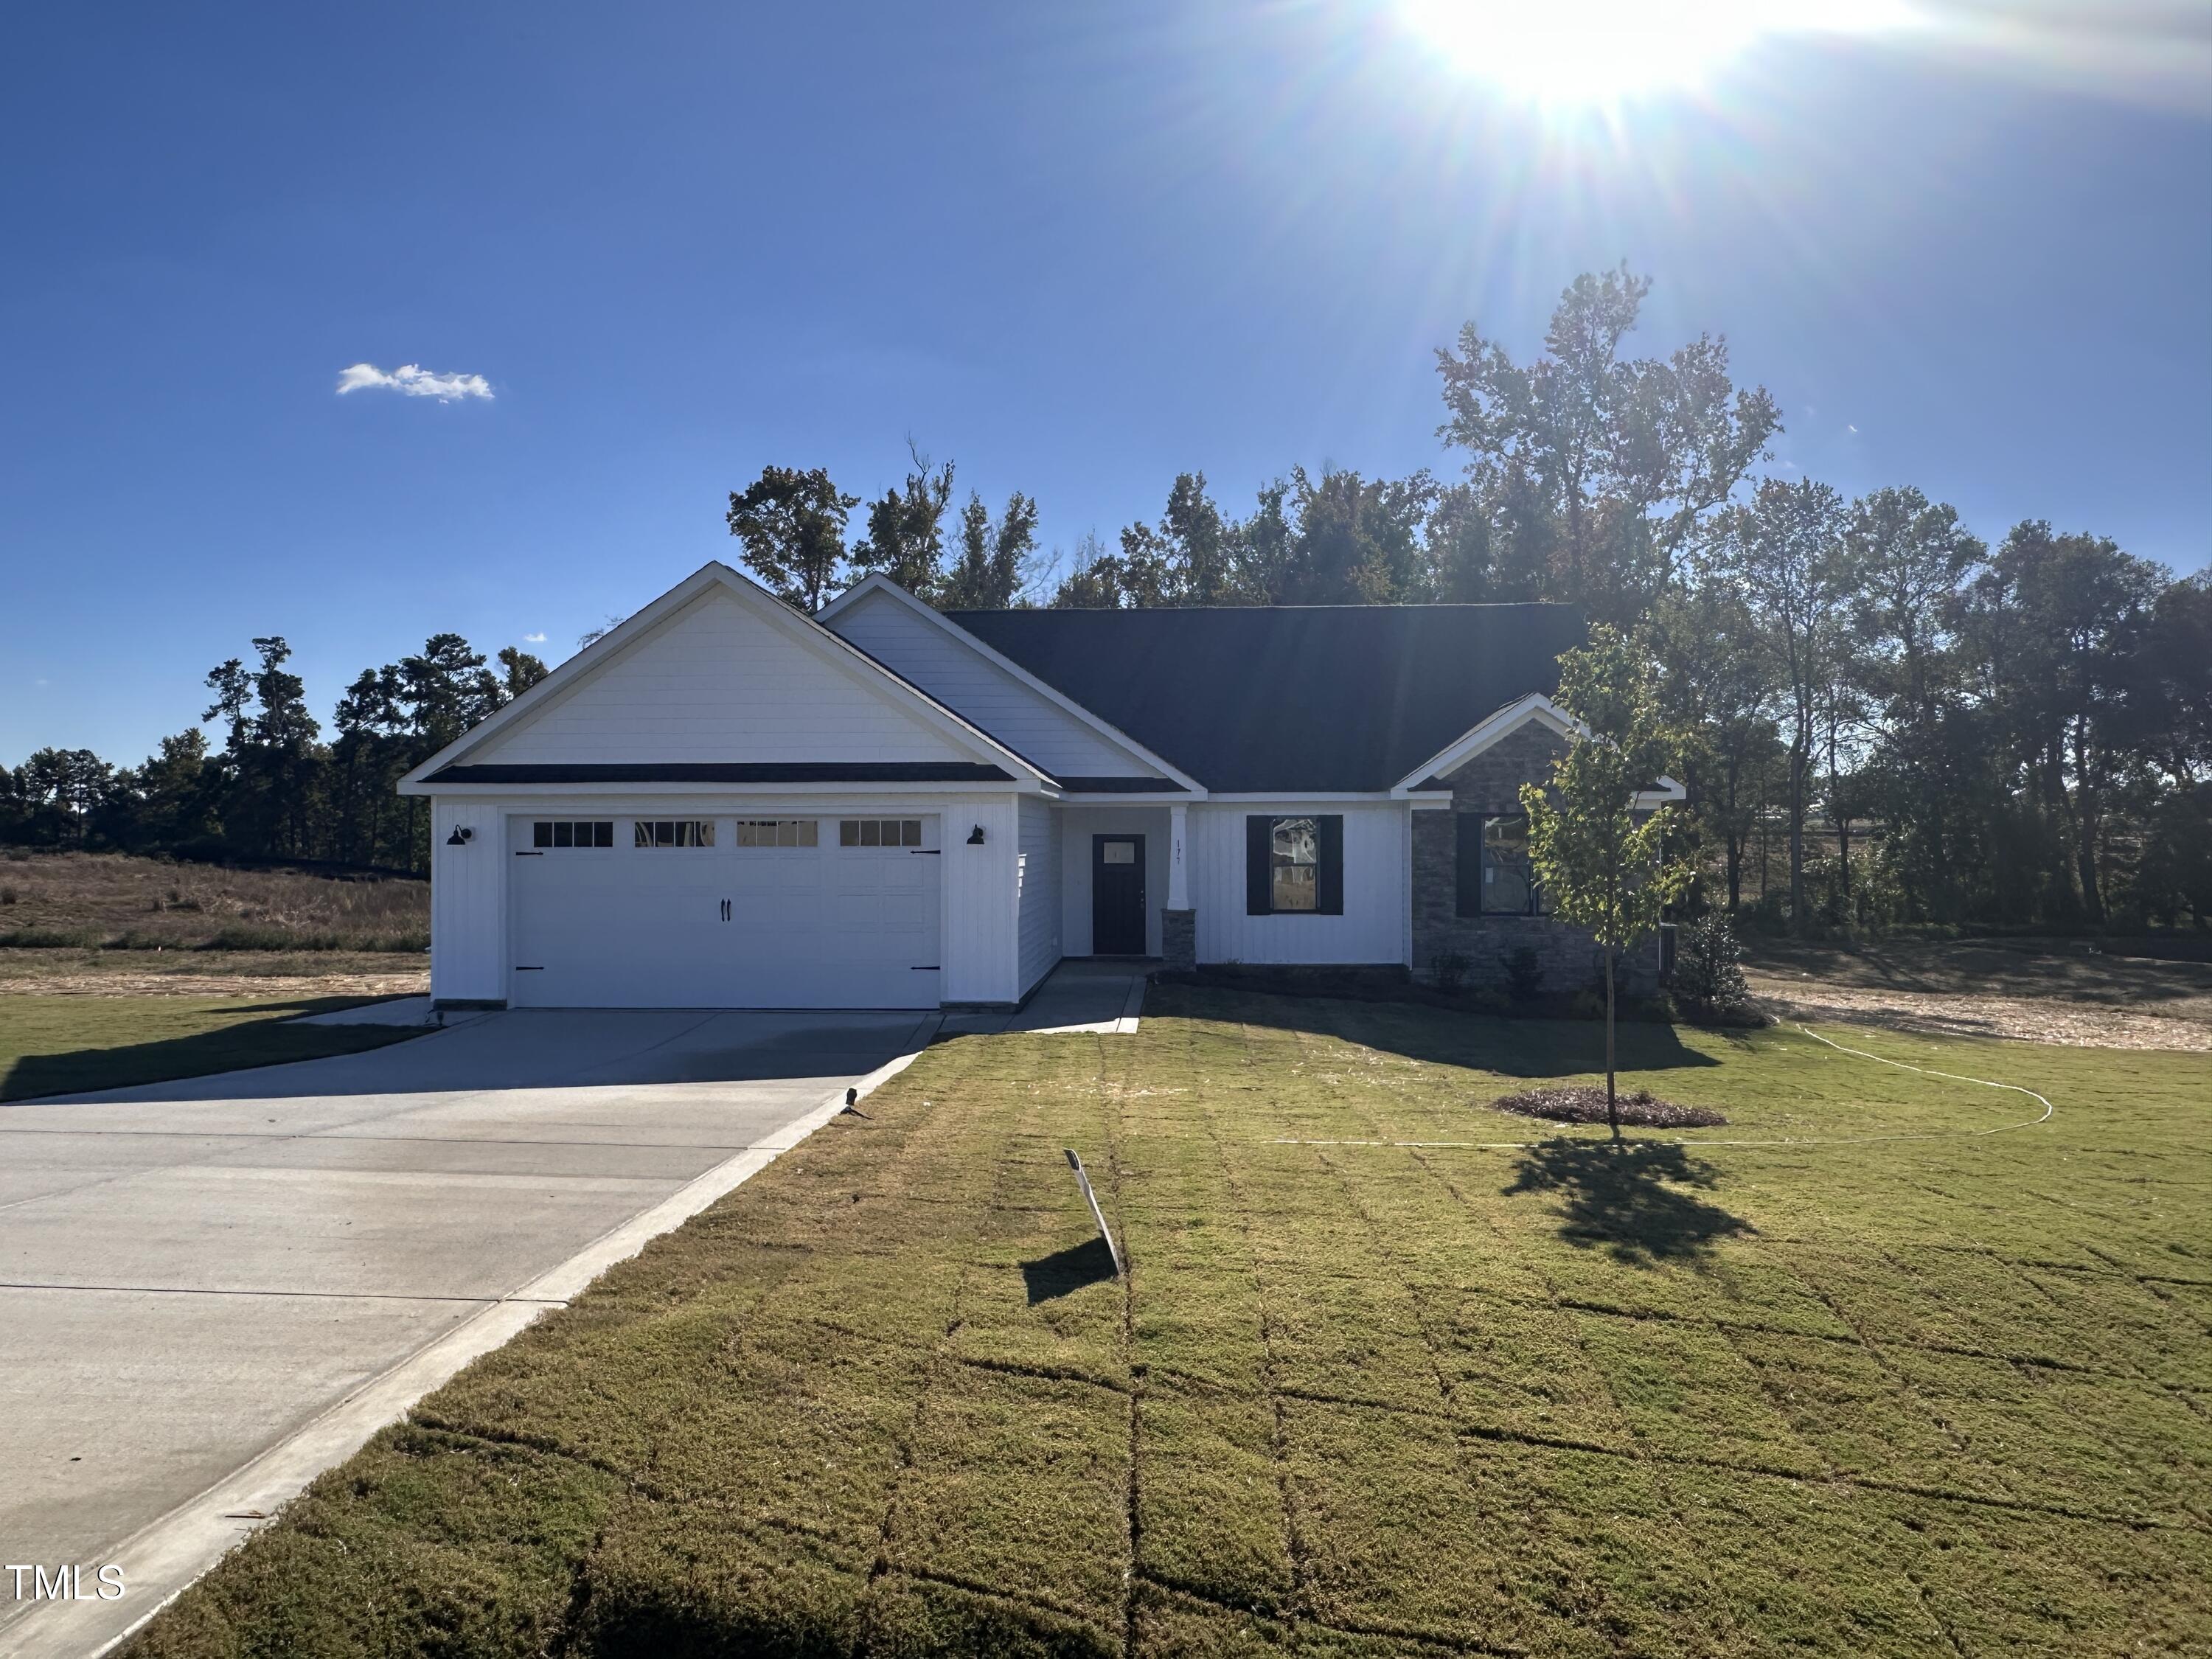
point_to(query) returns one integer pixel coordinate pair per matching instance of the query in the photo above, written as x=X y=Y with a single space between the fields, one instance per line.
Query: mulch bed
x=1584 y=1102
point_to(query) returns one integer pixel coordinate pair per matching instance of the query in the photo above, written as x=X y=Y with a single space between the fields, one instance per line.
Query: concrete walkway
x=1081 y=994
x=212 y=1289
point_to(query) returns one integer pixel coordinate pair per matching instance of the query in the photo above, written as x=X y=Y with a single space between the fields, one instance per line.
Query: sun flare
x=1592 y=51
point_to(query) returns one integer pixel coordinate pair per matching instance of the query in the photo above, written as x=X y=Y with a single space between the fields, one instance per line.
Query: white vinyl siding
x=964 y=680
x=716 y=682
x=468 y=903
x=982 y=962
x=1040 y=878
x=1372 y=928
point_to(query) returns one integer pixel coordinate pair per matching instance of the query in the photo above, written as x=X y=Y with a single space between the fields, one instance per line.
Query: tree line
x=1935 y=729
x=275 y=789
x=1931 y=727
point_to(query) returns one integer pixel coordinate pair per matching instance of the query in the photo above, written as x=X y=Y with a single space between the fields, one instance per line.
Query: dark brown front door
x=1117 y=896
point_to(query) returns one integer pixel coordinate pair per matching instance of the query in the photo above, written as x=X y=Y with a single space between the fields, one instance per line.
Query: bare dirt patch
x=2021 y=1019
x=2080 y=992
x=1584 y=1102
x=260 y=974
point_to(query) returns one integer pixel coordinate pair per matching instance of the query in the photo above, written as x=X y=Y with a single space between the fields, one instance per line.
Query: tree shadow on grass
x=275 y=1039
x=1635 y=1200
x=1445 y=1036
x=1065 y=1272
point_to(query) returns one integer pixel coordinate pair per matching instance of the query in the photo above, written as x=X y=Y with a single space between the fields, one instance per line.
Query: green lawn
x=1944 y=1396
x=52 y=1045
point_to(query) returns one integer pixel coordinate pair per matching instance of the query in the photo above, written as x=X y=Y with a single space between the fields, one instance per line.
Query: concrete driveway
x=211 y=1289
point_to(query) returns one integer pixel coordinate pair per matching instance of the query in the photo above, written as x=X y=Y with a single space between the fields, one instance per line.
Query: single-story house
x=723 y=803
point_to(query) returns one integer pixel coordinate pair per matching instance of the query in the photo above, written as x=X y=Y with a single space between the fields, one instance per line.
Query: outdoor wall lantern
x=975 y=836
x=462 y=835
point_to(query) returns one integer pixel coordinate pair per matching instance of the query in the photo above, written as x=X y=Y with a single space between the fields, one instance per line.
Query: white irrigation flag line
x=2048 y=1112
x=1083 y=1179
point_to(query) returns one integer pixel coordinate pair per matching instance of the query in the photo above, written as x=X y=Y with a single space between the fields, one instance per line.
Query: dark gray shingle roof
x=1290 y=698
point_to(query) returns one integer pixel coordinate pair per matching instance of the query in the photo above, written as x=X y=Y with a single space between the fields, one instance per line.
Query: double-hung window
x=1294 y=865
x=1496 y=878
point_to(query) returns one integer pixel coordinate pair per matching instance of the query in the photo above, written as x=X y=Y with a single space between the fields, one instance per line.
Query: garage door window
x=570 y=832
x=675 y=832
x=879 y=832
x=779 y=832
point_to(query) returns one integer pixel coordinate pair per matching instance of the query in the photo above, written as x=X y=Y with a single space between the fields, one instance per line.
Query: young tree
x=1627 y=459
x=906 y=530
x=1603 y=868
x=792 y=524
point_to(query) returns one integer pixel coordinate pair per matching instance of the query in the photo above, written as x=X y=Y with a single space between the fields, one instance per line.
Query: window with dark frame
x=1294 y=865
x=674 y=832
x=1496 y=876
x=879 y=832
x=779 y=832
x=573 y=832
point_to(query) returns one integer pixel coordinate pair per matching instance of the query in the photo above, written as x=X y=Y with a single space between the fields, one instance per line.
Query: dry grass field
x=1885 y=1366
x=114 y=902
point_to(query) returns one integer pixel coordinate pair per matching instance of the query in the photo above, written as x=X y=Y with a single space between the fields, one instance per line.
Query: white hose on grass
x=1794 y=1140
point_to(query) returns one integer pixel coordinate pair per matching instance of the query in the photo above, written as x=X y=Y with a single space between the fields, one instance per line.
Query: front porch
x=1123 y=869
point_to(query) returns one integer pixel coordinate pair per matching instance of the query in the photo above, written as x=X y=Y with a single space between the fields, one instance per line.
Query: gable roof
x=445 y=765
x=876 y=584
x=1317 y=699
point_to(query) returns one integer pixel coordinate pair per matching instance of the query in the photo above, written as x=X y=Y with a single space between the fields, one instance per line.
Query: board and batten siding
x=468 y=902
x=1077 y=825
x=982 y=950
x=1372 y=928
x=717 y=683
x=963 y=680
x=1039 y=895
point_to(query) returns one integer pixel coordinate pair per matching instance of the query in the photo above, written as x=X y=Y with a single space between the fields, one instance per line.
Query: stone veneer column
x=1179 y=940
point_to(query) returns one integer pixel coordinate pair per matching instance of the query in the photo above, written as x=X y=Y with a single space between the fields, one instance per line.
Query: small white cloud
x=533 y=639
x=42 y=682
x=1848 y=427
x=413 y=380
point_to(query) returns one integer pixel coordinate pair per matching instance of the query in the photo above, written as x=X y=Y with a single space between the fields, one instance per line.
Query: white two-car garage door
x=724 y=913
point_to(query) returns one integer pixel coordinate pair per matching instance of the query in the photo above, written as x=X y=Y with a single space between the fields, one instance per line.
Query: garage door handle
x=926 y=851
x=520 y=968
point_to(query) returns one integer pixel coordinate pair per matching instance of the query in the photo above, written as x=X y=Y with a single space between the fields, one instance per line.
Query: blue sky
x=1075 y=248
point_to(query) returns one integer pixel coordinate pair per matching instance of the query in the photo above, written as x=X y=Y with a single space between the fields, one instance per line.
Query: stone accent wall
x=1179 y=940
x=1570 y=959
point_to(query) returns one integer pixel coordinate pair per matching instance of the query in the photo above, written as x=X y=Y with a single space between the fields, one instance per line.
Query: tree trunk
x=2085 y=831
x=1612 y=1107
x=1736 y=842
x=1841 y=819
x=1798 y=766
